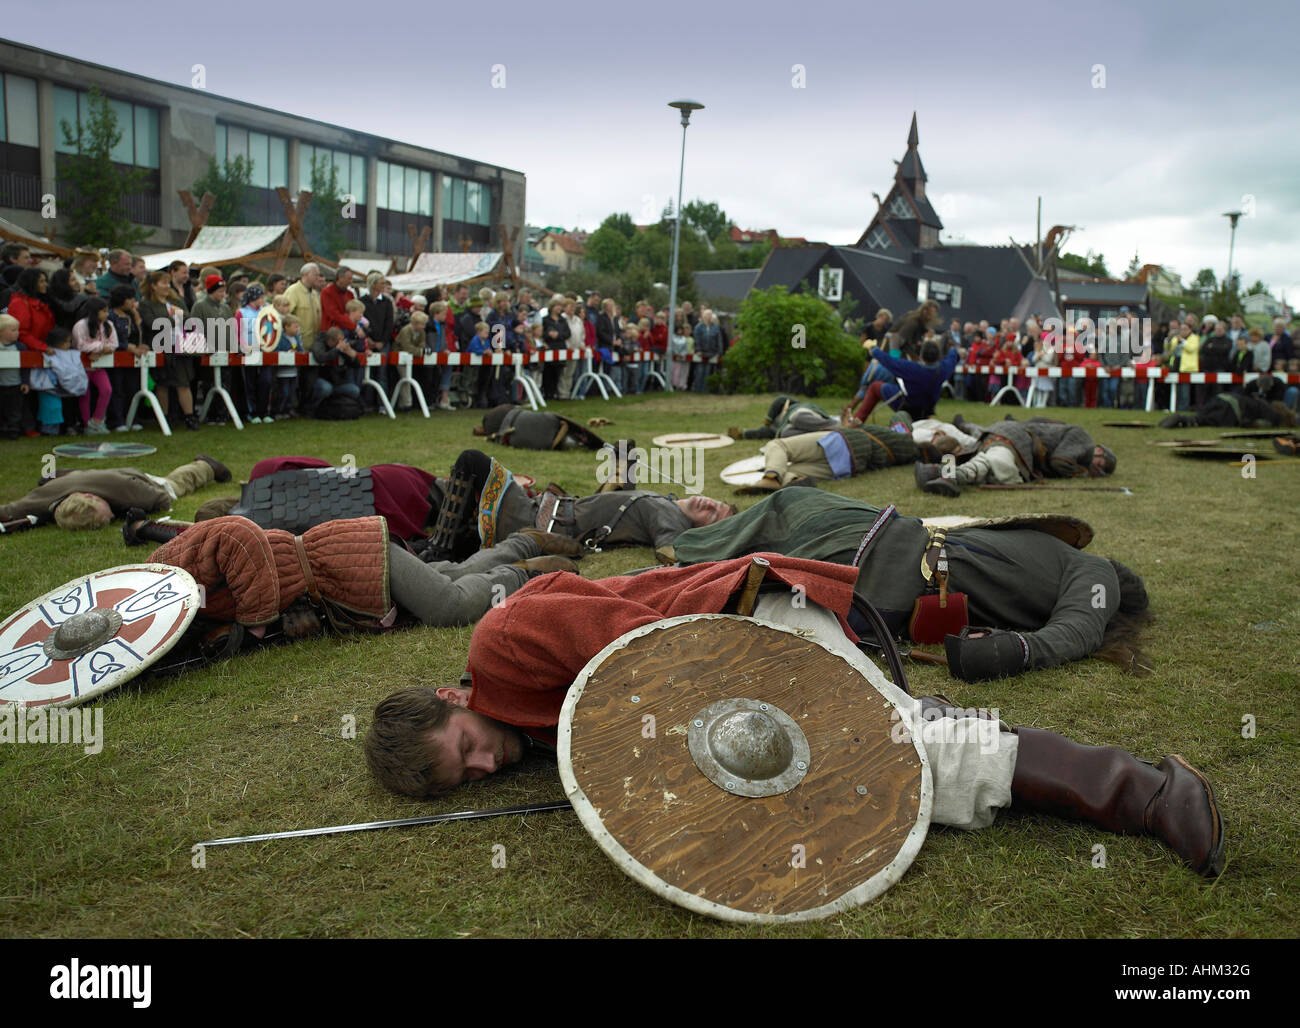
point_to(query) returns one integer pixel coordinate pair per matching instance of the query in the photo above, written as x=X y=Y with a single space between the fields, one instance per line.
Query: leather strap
x=305 y=564
x=876 y=527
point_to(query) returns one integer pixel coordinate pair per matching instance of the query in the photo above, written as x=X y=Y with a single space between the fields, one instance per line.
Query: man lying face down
x=525 y=653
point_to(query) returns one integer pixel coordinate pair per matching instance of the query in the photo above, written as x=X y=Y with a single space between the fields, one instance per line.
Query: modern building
x=171 y=131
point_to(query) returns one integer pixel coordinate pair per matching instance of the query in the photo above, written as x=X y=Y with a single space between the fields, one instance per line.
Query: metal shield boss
x=94 y=633
x=743 y=770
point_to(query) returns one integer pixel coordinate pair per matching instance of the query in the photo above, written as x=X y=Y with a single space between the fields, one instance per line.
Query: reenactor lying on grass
x=525 y=654
x=1042 y=600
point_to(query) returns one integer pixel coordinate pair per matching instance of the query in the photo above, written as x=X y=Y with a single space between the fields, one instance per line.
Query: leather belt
x=876 y=528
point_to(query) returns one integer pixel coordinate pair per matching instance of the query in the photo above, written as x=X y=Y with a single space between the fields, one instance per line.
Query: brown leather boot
x=1170 y=801
x=545 y=565
x=554 y=543
x=769 y=483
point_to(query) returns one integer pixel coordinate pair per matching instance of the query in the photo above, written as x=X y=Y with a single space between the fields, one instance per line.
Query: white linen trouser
x=971 y=762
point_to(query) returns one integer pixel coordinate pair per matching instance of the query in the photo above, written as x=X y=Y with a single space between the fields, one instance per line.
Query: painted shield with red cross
x=94 y=633
x=269 y=328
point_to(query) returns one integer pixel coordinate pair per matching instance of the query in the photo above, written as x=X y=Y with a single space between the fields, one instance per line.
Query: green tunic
x=1016 y=579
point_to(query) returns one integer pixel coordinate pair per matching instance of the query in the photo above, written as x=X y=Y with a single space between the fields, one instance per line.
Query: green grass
x=101 y=845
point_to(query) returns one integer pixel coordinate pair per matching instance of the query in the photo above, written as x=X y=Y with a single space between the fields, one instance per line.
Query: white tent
x=442 y=269
x=221 y=244
x=1036 y=299
x=363 y=266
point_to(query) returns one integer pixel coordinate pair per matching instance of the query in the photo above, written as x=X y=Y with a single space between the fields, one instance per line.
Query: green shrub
x=790 y=343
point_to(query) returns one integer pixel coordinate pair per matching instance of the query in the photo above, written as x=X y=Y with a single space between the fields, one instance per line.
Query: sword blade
x=402 y=822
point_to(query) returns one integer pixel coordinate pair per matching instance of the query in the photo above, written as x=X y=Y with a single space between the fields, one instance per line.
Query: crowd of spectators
x=1194 y=343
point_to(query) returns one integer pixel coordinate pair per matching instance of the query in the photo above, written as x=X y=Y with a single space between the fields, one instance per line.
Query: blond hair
x=419 y=318
x=82 y=510
x=354 y=305
x=8 y=321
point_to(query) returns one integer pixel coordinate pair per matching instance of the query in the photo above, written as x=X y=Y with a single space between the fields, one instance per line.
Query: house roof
x=1104 y=293
x=728 y=286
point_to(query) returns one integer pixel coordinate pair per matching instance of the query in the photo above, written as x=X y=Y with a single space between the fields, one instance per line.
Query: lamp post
x=686 y=107
x=1232 y=216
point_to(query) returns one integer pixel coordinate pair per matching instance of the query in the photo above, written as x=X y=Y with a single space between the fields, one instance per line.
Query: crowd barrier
x=218 y=362
x=1152 y=374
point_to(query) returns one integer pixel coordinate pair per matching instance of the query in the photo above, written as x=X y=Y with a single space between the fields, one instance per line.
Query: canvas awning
x=17 y=234
x=221 y=244
x=442 y=269
x=363 y=266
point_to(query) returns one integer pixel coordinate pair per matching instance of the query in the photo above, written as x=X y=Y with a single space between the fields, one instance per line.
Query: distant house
x=748 y=238
x=1159 y=279
x=560 y=251
x=1262 y=303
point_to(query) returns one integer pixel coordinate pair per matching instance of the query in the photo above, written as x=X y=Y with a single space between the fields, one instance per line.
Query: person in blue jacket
x=921 y=382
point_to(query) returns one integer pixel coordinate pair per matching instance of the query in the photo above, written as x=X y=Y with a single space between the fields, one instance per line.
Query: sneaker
x=137 y=427
x=96 y=428
x=192 y=422
x=268 y=420
x=122 y=428
x=445 y=406
x=254 y=421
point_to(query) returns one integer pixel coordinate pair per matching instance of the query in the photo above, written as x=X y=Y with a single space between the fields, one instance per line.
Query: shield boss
x=743 y=770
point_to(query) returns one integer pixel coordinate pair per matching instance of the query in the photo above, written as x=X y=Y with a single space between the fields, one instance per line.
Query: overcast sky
x=1192 y=112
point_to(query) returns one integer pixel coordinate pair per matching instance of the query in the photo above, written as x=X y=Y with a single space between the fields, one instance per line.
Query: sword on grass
x=401 y=822
x=1066 y=488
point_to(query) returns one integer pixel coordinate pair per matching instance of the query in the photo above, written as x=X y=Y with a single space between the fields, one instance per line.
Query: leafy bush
x=768 y=357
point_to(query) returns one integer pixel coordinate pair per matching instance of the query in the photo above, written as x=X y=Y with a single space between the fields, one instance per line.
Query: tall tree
x=230 y=185
x=99 y=186
x=324 y=224
x=621 y=223
x=706 y=218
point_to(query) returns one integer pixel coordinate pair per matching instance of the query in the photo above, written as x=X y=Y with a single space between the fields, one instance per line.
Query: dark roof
x=1104 y=292
x=788 y=265
x=929 y=216
x=729 y=286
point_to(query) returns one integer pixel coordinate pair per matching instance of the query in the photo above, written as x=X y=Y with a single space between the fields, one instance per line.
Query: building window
x=900 y=208
x=878 y=239
x=922 y=290
x=465 y=201
x=351 y=169
x=137 y=123
x=18 y=111
x=830 y=284
x=408 y=190
x=955 y=300
x=267 y=156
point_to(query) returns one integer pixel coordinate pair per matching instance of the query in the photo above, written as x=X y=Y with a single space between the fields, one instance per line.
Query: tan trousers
x=797 y=456
x=997 y=464
x=186 y=479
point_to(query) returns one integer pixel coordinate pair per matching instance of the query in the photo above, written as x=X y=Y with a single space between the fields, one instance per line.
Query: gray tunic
x=653 y=520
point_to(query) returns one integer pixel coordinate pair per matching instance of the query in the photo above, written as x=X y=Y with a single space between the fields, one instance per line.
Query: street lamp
x=686 y=107
x=1231 y=216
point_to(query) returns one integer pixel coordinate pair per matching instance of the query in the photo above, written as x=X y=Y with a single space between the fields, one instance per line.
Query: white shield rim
x=693 y=440
x=642 y=875
x=113 y=679
x=744 y=472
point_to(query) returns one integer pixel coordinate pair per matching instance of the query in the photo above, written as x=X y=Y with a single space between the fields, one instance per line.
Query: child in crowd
x=12 y=386
x=95 y=337
x=286 y=375
x=440 y=337
x=358 y=339
x=681 y=347
x=257 y=378
x=63 y=376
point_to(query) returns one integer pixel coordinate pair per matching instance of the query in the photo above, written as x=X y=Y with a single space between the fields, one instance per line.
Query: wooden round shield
x=743 y=770
x=698 y=440
x=94 y=633
x=268 y=328
x=1221 y=453
x=744 y=472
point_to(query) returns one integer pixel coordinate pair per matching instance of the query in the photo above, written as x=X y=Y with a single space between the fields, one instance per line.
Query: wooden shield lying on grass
x=94 y=633
x=742 y=770
x=744 y=472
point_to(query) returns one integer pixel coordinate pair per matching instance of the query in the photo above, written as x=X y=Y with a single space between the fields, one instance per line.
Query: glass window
x=65 y=109
x=922 y=290
x=258 y=159
x=124 y=152
x=20 y=111
x=956 y=298
x=278 y=163
x=485 y=204
x=381 y=184
x=458 y=199
x=426 y=194
x=446 y=196
x=471 y=202
x=221 y=146
x=343 y=162
x=358 y=189
x=396 y=187
x=236 y=142
x=305 y=154
x=411 y=199
x=146 y=137
x=3 y=129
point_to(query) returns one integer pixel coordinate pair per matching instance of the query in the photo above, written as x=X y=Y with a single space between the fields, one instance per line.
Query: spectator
x=12 y=386
x=276 y=285
x=286 y=375
x=1184 y=360
x=305 y=301
x=124 y=316
x=440 y=337
x=138 y=270
x=412 y=339
x=182 y=284
x=555 y=336
x=29 y=304
x=1261 y=353
x=576 y=341
x=688 y=312
x=1072 y=355
x=380 y=313
x=1216 y=356
x=118 y=274
x=161 y=321
x=95 y=337
x=333 y=357
x=912 y=327
x=65 y=299
x=1114 y=351
x=681 y=346
x=257 y=377
x=64 y=376
x=1280 y=344
x=1238 y=329
x=708 y=343
x=1044 y=355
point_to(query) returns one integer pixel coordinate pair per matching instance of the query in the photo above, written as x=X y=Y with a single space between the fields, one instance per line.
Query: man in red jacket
x=525 y=653
x=333 y=304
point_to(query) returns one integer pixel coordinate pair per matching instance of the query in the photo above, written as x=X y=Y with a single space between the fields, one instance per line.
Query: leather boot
x=769 y=483
x=220 y=472
x=554 y=543
x=137 y=529
x=1170 y=801
x=545 y=565
x=930 y=479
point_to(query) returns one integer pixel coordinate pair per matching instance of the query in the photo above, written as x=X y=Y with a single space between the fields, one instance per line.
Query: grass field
x=100 y=845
